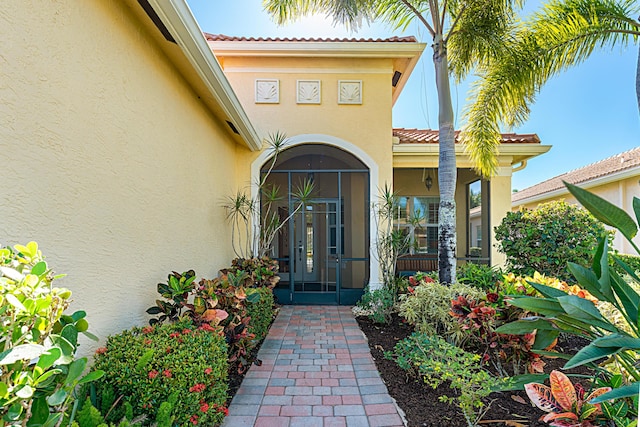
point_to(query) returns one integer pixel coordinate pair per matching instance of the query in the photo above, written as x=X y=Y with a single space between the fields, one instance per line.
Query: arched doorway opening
x=323 y=250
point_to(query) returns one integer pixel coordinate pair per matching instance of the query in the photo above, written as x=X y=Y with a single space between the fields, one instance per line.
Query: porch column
x=499 y=205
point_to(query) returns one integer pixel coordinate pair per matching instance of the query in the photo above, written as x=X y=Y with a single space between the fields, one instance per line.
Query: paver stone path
x=317 y=371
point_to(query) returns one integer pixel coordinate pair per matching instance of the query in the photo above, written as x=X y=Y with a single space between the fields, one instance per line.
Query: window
x=418 y=218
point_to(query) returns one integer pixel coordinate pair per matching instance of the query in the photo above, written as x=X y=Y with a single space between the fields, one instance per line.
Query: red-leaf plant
x=565 y=404
x=481 y=319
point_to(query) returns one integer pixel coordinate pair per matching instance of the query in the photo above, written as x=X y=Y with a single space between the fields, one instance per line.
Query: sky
x=586 y=114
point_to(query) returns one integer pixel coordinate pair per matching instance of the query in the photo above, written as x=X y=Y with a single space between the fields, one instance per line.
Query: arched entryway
x=323 y=250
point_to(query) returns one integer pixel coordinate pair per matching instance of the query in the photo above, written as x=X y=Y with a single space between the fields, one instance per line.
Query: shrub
x=479 y=275
x=428 y=307
x=436 y=361
x=546 y=238
x=145 y=367
x=633 y=261
x=378 y=304
x=38 y=369
x=261 y=271
x=260 y=312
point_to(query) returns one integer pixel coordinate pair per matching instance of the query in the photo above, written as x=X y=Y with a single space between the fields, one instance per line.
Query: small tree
x=546 y=238
x=255 y=221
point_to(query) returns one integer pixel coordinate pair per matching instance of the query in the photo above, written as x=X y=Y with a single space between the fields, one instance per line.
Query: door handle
x=300 y=251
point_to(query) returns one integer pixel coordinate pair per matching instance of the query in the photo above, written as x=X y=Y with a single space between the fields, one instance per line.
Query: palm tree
x=561 y=35
x=464 y=33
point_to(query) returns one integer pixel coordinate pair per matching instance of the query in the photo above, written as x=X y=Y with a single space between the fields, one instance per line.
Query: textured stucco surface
x=109 y=159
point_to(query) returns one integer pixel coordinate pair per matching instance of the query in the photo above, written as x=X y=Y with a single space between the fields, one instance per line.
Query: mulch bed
x=420 y=402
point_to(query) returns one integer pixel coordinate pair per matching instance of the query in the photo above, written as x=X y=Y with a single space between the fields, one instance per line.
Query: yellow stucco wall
x=367 y=126
x=620 y=193
x=109 y=159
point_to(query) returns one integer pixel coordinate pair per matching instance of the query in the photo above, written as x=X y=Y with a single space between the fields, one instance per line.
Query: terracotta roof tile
x=224 y=38
x=430 y=136
x=618 y=163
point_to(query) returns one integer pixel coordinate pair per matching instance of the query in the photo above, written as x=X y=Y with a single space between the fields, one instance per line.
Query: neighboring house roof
x=430 y=136
x=609 y=169
x=222 y=37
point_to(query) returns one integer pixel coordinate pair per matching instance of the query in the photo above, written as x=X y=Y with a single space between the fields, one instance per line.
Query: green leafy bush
x=38 y=342
x=546 y=238
x=436 y=362
x=633 y=261
x=176 y=361
x=261 y=272
x=260 y=312
x=428 y=306
x=378 y=304
x=479 y=275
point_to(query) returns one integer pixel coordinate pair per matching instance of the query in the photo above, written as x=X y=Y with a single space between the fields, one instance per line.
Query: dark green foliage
x=632 y=261
x=188 y=365
x=479 y=275
x=546 y=238
x=89 y=416
x=260 y=312
x=176 y=293
x=261 y=271
x=378 y=304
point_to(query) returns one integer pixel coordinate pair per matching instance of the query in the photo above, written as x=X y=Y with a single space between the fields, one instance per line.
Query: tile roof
x=224 y=38
x=430 y=136
x=618 y=163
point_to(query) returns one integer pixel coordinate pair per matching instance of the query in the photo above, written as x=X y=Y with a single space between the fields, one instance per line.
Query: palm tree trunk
x=447 y=171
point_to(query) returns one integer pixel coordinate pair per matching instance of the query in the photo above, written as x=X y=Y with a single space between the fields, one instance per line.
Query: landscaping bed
x=421 y=403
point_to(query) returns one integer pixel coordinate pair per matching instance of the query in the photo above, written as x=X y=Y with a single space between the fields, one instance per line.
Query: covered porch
x=481 y=204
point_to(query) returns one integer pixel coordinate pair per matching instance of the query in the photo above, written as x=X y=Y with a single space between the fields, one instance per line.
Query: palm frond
x=350 y=13
x=560 y=36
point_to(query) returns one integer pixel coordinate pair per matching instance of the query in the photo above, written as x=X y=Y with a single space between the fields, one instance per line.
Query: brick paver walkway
x=316 y=371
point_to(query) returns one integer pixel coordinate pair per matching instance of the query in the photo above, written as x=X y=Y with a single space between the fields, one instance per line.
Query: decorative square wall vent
x=349 y=91
x=308 y=92
x=267 y=91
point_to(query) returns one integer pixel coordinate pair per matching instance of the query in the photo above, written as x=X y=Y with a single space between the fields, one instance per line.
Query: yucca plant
x=255 y=221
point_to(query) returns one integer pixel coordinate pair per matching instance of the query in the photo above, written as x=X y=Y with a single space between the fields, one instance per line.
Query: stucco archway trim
x=317 y=138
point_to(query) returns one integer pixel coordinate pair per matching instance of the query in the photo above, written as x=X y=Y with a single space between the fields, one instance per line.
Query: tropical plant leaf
x=584 y=309
x=630 y=390
x=588 y=280
x=628 y=297
x=518 y=382
x=590 y=353
x=541 y=396
x=547 y=291
x=598 y=392
x=544 y=306
x=562 y=390
x=618 y=340
x=605 y=211
x=545 y=338
x=526 y=325
x=559 y=415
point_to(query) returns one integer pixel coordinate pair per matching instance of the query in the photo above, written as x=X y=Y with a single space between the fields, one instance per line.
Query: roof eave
x=364 y=49
x=410 y=155
x=177 y=17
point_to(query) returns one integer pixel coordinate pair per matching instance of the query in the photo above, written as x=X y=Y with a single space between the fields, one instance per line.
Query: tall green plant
x=256 y=221
x=390 y=241
x=38 y=342
x=561 y=312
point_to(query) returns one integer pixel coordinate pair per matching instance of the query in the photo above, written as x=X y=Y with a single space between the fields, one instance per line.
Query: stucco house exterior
x=615 y=179
x=124 y=128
